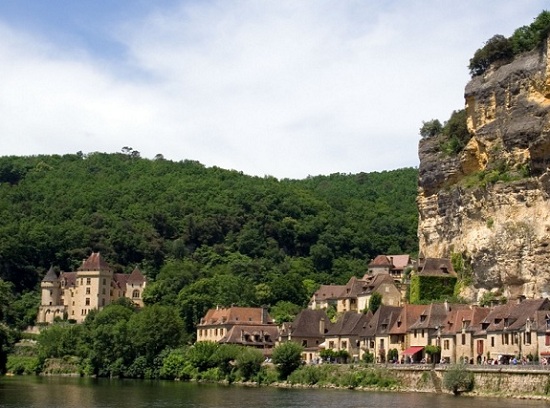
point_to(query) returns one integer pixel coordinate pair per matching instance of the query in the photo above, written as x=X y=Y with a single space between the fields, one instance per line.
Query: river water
x=63 y=392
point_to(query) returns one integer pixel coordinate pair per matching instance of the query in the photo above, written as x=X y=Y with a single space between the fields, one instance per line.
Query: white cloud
x=280 y=88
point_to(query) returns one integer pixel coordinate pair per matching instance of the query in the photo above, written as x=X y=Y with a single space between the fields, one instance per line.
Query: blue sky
x=280 y=88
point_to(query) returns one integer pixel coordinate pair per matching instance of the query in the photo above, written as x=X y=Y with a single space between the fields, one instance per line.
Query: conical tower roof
x=136 y=276
x=51 y=276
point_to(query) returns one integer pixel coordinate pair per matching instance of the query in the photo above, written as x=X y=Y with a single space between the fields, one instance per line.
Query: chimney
x=264 y=315
x=446 y=305
x=322 y=326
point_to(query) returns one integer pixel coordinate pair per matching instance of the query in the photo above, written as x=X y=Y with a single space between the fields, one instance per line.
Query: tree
x=249 y=362
x=497 y=48
x=458 y=379
x=287 y=357
x=375 y=302
x=431 y=128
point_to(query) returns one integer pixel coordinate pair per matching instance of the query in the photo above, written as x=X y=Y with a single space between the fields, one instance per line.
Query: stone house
x=325 y=296
x=92 y=286
x=246 y=326
x=308 y=329
x=505 y=329
x=382 y=284
x=344 y=334
x=392 y=265
x=399 y=338
x=374 y=337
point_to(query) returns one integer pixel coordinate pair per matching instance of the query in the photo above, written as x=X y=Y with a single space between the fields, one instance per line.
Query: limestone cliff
x=491 y=201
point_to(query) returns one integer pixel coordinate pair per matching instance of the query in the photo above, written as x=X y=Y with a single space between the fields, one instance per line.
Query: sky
x=282 y=88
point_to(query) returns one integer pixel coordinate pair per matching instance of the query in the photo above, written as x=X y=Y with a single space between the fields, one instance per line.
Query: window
x=527 y=338
x=87 y=291
x=422 y=333
x=415 y=334
x=463 y=339
x=446 y=344
x=304 y=343
x=547 y=339
x=135 y=294
x=88 y=281
x=330 y=344
x=344 y=344
x=492 y=341
x=371 y=344
x=87 y=301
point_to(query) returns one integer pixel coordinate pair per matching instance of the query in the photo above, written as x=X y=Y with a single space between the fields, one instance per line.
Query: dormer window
x=423 y=318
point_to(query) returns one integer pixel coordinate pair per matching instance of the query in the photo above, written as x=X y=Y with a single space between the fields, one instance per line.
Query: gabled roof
x=349 y=324
x=381 y=322
x=391 y=261
x=307 y=324
x=251 y=335
x=94 y=263
x=50 y=276
x=352 y=288
x=512 y=315
x=409 y=314
x=436 y=267
x=136 y=276
x=236 y=315
x=470 y=318
x=371 y=284
x=68 y=278
x=435 y=315
x=328 y=292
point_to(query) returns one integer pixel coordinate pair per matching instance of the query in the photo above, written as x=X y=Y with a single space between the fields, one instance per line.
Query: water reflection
x=46 y=392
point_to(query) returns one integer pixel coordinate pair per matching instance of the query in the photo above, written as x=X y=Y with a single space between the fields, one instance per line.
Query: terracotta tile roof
x=236 y=315
x=391 y=261
x=94 y=263
x=136 y=276
x=470 y=318
x=68 y=278
x=436 y=267
x=409 y=314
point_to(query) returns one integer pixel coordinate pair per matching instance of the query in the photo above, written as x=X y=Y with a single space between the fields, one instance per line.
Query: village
x=515 y=332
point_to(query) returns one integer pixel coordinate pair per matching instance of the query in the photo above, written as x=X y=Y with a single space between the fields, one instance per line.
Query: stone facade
x=72 y=295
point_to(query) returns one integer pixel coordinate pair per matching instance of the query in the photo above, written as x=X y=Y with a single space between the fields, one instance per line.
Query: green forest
x=203 y=236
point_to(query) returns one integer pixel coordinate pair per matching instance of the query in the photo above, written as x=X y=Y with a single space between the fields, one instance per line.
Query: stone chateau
x=93 y=285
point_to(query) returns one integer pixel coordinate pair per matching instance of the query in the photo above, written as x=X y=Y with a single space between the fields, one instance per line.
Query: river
x=66 y=392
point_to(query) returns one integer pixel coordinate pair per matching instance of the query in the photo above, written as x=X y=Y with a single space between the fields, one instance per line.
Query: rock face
x=490 y=202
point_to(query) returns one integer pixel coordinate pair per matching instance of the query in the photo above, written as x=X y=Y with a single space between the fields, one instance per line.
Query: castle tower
x=51 y=304
x=92 y=286
x=135 y=286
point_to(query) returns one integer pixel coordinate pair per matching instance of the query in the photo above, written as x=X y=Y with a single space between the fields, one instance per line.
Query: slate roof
x=512 y=316
x=371 y=284
x=435 y=315
x=307 y=324
x=50 y=276
x=349 y=323
x=381 y=322
x=328 y=292
x=251 y=335
x=436 y=267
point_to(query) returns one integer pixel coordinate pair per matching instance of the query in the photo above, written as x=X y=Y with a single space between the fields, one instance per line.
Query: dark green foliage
x=458 y=379
x=287 y=357
x=249 y=362
x=455 y=132
x=204 y=236
x=393 y=354
x=499 y=49
x=431 y=128
x=425 y=289
x=375 y=302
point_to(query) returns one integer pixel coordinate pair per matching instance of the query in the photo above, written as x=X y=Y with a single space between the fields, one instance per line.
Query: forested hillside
x=203 y=236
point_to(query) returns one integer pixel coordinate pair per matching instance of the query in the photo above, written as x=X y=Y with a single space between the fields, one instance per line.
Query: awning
x=413 y=350
x=545 y=353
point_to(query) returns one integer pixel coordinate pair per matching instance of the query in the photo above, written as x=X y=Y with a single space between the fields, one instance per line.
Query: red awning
x=413 y=350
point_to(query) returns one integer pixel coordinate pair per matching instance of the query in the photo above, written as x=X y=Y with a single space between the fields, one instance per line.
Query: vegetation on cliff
x=501 y=50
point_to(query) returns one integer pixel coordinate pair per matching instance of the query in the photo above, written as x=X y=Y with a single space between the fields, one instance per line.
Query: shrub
x=249 y=362
x=458 y=379
x=287 y=357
